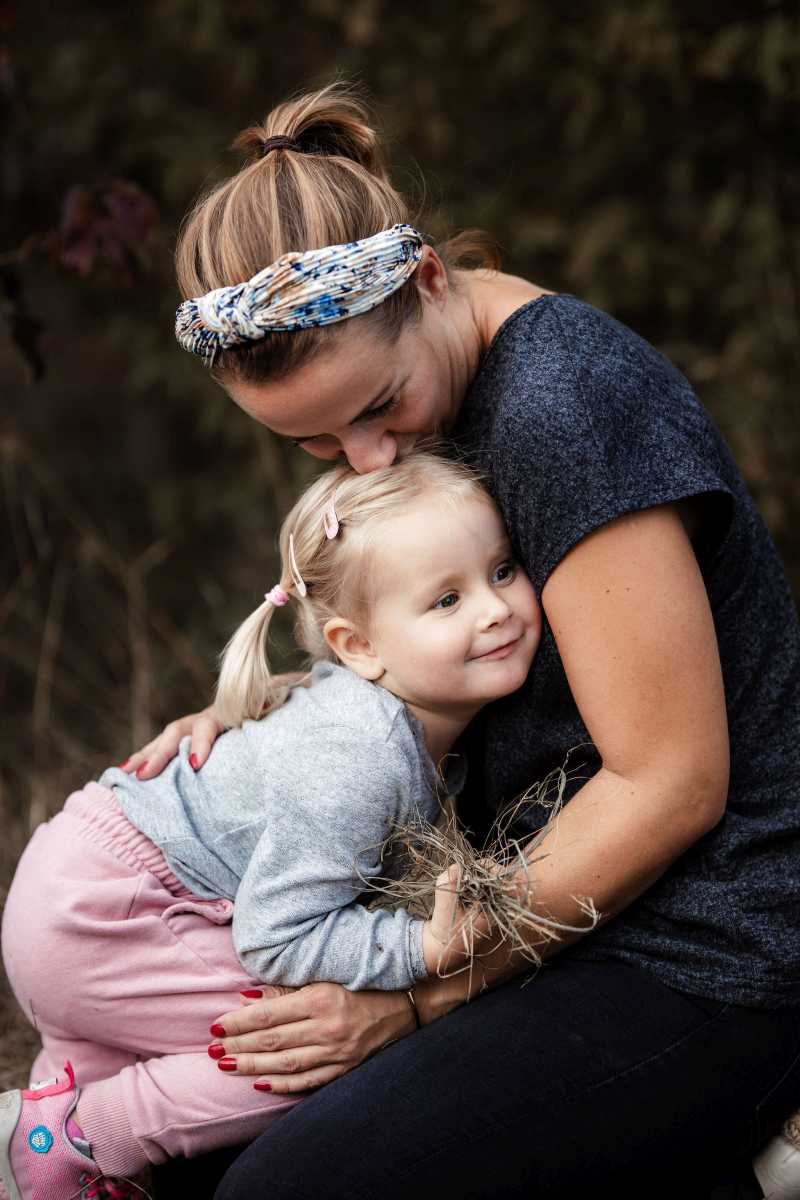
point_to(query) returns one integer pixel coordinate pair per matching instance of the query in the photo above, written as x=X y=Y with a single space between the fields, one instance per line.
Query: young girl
x=116 y=922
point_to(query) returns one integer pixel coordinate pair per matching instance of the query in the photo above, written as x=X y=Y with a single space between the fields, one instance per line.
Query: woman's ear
x=353 y=649
x=430 y=277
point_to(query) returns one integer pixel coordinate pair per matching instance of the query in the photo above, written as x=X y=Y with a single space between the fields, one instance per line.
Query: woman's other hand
x=299 y=1039
x=203 y=727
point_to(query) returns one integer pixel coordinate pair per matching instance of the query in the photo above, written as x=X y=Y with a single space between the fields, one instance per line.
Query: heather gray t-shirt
x=287 y=818
x=575 y=420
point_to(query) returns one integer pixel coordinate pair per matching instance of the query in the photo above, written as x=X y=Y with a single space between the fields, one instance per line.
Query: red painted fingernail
x=216 y=1050
x=193 y=763
x=263 y=1087
x=124 y=763
x=143 y=767
x=217 y=1031
x=252 y=994
x=227 y=1064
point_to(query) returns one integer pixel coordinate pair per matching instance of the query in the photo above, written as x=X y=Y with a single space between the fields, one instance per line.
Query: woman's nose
x=367 y=451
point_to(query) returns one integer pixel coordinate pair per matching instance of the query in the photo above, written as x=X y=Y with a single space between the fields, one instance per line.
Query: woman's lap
x=591 y=1074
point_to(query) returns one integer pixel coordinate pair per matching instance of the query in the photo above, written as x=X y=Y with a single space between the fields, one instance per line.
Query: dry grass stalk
x=491 y=884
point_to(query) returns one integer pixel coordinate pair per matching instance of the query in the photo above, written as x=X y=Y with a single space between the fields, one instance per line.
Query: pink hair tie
x=277 y=596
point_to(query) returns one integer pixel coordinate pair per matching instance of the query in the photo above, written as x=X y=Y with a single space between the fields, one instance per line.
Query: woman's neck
x=492 y=297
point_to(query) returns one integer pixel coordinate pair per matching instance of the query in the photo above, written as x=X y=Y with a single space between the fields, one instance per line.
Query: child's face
x=456 y=622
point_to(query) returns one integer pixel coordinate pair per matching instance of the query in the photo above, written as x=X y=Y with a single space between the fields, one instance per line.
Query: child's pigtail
x=245 y=688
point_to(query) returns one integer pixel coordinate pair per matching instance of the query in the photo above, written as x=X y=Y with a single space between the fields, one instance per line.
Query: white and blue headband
x=301 y=290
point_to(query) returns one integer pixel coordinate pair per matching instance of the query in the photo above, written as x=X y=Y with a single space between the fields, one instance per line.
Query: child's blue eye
x=447 y=601
x=503 y=573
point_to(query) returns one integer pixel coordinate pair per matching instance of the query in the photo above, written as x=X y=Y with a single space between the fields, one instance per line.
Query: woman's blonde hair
x=339 y=573
x=333 y=187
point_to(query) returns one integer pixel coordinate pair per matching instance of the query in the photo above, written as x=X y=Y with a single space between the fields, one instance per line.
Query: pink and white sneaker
x=38 y=1158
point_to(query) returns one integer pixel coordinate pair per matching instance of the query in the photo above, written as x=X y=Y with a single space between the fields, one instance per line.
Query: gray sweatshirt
x=277 y=819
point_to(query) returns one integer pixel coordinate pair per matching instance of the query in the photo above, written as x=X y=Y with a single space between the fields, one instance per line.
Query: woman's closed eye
x=382 y=409
x=370 y=415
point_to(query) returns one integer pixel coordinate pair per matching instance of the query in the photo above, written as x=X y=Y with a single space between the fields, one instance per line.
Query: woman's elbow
x=705 y=789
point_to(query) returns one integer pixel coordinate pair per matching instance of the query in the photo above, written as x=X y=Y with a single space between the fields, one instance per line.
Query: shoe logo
x=40 y=1139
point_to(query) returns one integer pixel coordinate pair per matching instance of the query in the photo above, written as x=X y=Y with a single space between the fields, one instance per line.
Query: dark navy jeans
x=590 y=1079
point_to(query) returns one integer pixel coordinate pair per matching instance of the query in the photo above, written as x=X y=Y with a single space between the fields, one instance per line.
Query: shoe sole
x=10 y=1109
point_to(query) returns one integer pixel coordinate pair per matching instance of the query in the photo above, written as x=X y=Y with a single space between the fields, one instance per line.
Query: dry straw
x=491 y=884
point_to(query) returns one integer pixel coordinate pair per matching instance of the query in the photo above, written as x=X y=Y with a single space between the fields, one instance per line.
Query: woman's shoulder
x=551 y=333
x=559 y=368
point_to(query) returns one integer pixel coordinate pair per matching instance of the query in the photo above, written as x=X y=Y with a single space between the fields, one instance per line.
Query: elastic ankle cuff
x=104 y=1120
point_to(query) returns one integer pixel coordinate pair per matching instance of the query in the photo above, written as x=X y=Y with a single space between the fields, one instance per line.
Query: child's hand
x=450 y=939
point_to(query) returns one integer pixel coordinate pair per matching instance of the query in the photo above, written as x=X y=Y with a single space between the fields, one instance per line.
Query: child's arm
x=295 y=918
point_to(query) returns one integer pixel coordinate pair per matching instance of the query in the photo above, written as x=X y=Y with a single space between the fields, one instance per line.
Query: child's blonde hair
x=326 y=185
x=338 y=572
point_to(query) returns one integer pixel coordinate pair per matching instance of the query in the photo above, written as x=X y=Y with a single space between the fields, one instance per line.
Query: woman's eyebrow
x=307 y=437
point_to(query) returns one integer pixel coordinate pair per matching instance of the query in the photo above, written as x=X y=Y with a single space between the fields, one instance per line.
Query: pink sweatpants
x=122 y=970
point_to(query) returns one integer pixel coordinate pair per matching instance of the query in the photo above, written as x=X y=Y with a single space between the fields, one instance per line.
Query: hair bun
x=333 y=122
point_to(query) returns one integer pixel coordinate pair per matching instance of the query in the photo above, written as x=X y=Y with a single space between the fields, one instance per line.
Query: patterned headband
x=300 y=291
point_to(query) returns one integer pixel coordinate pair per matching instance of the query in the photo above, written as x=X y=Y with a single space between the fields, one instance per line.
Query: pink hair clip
x=277 y=596
x=330 y=521
x=293 y=567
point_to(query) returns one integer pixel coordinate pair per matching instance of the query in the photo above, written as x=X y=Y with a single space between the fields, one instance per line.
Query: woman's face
x=366 y=399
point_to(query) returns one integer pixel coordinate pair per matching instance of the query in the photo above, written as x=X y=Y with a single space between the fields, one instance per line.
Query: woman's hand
x=295 y=1040
x=204 y=728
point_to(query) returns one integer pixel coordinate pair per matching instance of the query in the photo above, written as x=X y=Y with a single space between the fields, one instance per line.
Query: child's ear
x=352 y=648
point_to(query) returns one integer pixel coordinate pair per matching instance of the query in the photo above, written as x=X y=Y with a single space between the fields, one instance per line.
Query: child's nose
x=495 y=611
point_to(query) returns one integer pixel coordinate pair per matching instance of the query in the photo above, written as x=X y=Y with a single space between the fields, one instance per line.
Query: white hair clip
x=330 y=521
x=299 y=582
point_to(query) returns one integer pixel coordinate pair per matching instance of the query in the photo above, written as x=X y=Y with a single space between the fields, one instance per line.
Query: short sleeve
x=590 y=423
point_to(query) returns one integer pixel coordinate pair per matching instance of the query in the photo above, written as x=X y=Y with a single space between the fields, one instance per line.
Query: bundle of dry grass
x=495 y=899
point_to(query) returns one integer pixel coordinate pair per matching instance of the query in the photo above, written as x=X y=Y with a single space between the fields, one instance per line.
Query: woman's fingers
x=203 y=727
x=138 y=759
x=265 y=1014
x=272 y=1041
x=304 y=1081
x=298 y=1060
x=265 y=991
x=206 y=729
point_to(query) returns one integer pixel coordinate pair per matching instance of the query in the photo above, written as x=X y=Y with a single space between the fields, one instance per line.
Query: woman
x=650 y=1053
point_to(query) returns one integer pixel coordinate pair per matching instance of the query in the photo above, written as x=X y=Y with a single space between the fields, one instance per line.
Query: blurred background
x=641 y=155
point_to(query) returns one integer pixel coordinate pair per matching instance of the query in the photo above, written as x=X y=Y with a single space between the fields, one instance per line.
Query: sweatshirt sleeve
x=295 y=917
